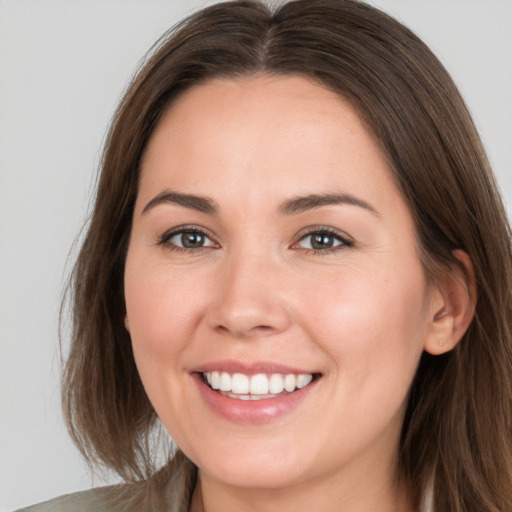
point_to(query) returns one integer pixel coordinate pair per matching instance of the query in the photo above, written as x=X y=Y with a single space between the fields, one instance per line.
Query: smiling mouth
x=256 y=387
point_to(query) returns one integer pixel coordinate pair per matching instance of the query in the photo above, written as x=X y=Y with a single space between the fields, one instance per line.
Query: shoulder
x=168 y=490
x=93 y=500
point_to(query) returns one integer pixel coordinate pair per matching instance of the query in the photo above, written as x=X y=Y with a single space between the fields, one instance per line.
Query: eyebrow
x=296 y=205
x=302 y=204
x=198 y=203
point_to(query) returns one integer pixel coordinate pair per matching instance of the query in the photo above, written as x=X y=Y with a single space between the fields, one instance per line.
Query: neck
x=328 y=494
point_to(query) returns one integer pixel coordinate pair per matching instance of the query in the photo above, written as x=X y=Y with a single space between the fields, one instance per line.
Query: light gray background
x=63 y=67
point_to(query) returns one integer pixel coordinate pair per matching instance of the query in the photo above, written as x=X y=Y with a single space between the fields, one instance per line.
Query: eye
x=186 y=239
x=323 y=240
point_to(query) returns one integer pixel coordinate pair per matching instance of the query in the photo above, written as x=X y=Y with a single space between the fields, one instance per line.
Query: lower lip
x=251 y=411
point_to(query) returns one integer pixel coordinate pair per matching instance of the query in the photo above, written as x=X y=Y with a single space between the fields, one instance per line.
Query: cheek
x=369 y=321
x=370 y=326
x=162 y=307
x=163 y=311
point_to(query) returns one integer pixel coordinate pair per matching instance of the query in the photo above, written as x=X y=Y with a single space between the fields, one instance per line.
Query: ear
x=126 y=323
x=453 y=305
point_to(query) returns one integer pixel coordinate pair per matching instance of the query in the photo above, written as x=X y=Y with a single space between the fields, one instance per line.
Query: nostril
x=249 y=314
x=258 y=330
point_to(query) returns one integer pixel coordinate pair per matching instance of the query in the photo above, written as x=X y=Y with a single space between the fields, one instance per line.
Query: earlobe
x=126 y=323
x=453 y=306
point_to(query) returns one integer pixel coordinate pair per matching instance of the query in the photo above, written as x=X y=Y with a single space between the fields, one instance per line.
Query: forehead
x=263 y=136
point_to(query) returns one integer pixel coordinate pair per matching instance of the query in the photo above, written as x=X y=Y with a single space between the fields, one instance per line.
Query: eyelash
x=344 y=241
x=164 y=240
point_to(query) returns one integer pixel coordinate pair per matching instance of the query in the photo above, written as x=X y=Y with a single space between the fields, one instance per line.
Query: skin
x=360 y=313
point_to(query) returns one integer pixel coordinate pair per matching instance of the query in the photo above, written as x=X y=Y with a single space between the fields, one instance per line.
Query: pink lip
x=230 y=366
x=250 y=411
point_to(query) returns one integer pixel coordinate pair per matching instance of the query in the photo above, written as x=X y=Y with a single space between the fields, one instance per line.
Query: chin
x=263 y=468
x=248 y=475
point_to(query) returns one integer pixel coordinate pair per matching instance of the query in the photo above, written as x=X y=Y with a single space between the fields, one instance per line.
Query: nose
x=250 y=298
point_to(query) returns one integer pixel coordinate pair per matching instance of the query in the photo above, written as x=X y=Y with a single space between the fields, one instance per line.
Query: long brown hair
x=457 y=429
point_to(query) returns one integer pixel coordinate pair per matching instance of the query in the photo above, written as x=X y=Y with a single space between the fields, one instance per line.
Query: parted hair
x=457 y=428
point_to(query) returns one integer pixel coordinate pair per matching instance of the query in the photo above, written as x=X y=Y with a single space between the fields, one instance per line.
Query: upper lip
x=256 y=367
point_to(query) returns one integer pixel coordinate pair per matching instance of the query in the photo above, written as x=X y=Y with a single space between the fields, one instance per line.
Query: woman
x=298 y=261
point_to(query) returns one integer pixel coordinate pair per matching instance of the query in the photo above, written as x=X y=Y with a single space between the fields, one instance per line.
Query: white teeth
x=215 y=379
x=240 y=384
x=259 y=384
x=250 y=388
x=289 y=383
x=225 y=382
x=303 y=380
x=276 y=383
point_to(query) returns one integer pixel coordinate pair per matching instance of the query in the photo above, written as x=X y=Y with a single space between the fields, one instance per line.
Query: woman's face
x=271 y=248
